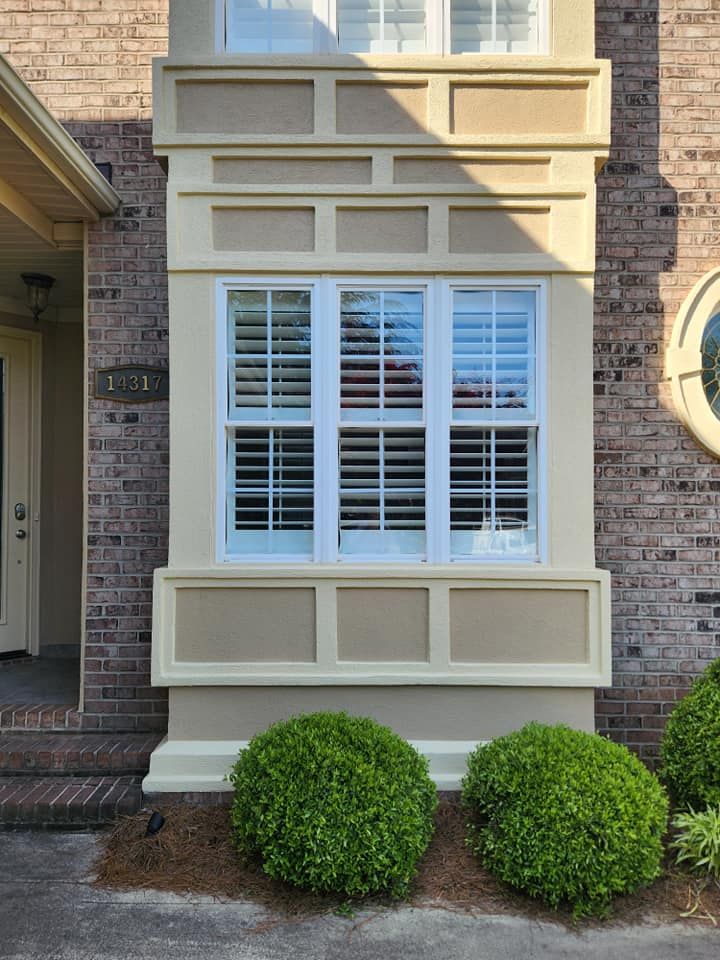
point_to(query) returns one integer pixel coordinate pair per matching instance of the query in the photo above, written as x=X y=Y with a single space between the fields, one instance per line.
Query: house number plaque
x=132 y=384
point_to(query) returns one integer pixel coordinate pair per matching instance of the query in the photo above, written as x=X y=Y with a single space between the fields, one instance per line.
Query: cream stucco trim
x=439 y=74
x=683 y=362
x=594 y=670
x=46 y=139
x=201 y=765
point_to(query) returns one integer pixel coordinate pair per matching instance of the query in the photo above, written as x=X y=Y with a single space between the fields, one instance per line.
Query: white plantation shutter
x=493 y=430
x=381 y=26
x=407 y=452
x=493 y=354
x=269 y=362
x=493 y=26
x=270 y=26
x=491 y=491
x=270 y=442
x=271 y=490
x=381 y=355
x=382 y=492
x=382 y=471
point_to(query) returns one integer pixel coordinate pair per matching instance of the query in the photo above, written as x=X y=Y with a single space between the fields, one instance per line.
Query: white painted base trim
x=199 y=766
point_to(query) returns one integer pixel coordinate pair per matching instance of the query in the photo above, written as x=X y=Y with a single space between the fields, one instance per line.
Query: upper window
x=361 y=424
x=383 y=26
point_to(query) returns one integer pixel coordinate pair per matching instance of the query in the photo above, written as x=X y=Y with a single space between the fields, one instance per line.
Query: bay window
x=381 y=421
x=384 y=26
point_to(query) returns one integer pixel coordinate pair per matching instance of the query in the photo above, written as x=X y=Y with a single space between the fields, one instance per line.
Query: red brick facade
x=128 y=446
x=657 y=493
x=89 y=61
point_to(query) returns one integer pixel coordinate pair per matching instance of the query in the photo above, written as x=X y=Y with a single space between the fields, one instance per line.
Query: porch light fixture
x=38 y=290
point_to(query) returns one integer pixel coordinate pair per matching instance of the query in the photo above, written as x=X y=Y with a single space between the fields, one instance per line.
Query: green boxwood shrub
x=565 y=816
x=334 y=803
x=690 y=748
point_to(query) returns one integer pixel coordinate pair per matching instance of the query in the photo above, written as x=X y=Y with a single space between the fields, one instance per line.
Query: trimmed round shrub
x=565 y=816
x=690 y=748
x=334 y=803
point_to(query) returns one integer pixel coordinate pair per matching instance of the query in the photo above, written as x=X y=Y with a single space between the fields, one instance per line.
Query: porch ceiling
x=48 y=190
x=21 y=251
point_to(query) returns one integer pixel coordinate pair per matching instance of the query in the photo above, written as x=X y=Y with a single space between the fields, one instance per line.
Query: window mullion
x=438 y=26
x=438 y=405
x=324 y=40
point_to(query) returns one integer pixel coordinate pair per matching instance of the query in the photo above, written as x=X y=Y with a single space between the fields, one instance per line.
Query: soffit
x=25 y=173
x=41 y=162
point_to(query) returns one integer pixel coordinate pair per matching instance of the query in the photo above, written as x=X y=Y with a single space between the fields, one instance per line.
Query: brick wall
x=86 y=59
x=89 y=61
x=657 y=493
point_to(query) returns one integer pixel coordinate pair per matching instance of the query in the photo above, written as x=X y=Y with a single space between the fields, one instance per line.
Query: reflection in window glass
x=710 y=348
x=493 y=353
x=493 y=500
x=381 y=355
x=270 y=26
x=381 y=26
x=493 y=26
x=269 y=354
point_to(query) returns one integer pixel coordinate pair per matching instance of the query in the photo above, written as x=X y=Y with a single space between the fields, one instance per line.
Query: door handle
x=20 y=534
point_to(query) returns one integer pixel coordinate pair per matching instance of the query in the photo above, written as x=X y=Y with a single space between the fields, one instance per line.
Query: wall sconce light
x=38 y=290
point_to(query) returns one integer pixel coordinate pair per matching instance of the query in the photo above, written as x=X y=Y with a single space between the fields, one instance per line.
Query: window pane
x=270 y=491
x=381 y=362
x=381 y=26
x=382 y=492
x=493 y=500
x=269 y=367
x=265 y=26
x=493 y=26
x=493 y=354
x=710 y=375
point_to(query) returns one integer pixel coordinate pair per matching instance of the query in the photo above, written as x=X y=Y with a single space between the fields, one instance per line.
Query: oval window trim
x=698 y=316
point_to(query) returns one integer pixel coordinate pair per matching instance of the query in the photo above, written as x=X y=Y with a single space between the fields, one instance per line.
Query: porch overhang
x=49 y=190
x=37 y=153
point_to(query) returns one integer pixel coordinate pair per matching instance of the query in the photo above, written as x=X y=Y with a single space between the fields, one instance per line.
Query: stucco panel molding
x=560 y=627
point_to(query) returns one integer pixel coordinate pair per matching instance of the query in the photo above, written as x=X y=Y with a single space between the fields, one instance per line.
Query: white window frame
x=438 y=32
x=325 y=413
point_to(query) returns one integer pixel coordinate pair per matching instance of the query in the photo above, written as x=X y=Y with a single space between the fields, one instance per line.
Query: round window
x=693 y=362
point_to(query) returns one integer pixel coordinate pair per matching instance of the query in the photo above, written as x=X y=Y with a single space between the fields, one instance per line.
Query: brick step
x=67 y=801
x=39 y=716
x=72 y=754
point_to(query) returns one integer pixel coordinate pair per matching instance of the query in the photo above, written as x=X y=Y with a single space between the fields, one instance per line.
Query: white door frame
x=34 y=518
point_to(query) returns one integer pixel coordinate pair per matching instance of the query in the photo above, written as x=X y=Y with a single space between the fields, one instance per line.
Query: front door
x=15 y=528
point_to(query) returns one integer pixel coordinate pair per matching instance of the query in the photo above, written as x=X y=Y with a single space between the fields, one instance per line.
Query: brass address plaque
x=132 y=384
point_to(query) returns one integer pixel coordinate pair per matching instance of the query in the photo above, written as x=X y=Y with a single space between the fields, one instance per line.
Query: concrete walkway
x=49 y=911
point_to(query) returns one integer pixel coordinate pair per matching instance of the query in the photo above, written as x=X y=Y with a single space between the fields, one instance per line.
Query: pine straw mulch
x=193 y=854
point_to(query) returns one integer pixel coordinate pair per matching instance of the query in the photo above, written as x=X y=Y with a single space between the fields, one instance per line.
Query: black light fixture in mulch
x=38 y=291
x=155 y=824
